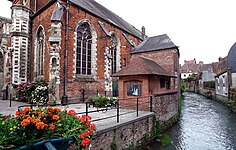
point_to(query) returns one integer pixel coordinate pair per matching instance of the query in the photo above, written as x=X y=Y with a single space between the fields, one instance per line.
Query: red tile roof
x=142 y=66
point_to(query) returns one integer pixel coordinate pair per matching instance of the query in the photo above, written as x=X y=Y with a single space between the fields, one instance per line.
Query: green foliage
x=113 y=146
x=209 y=84
x=192 y=77
x=180 y=104
x=155 y=134
x=102 y=101
x=165 y=139
x=182 y=87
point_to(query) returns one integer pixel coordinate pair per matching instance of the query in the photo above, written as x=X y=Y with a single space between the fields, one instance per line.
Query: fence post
x=118 y=110
x=86 y=108
x=150 y=103
x=10 y=99
x=137 y=106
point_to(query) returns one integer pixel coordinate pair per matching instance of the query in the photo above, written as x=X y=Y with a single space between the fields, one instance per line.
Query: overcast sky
x=203 y=29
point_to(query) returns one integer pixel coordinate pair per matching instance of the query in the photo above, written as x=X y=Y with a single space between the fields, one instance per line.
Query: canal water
x=204 y=125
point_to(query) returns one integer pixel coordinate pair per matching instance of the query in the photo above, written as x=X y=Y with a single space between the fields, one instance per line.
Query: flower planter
x=55 y=143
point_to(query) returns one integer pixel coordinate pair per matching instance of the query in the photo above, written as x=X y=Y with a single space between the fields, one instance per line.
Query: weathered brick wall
x=221 y=98
x=165 y=106
x=167 y=59
x=124 y=135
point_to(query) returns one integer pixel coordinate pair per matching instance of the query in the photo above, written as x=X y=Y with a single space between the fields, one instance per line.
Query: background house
x=231 y=61
x=153 y=71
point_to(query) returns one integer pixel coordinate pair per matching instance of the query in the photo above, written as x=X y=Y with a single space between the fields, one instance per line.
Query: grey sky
x=203 y=29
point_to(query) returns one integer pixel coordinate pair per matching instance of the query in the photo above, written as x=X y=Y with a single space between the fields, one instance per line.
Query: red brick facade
x=167 y=59
x=76 y=15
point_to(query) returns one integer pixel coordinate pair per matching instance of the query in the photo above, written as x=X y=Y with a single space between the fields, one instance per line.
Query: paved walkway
x=128 y=115
x=5 y=108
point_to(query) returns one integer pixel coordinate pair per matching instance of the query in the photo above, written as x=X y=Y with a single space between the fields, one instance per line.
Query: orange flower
x=57 y=109
x=55 y=117
x=26 y=116
x=85 y=142
x=25 y=122
x=50 y=114
x=50 y=109
x=27 y=109
x=41 y=125
x=34 y=121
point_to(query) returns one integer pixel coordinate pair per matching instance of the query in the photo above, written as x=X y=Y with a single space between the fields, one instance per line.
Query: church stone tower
x=20 y=40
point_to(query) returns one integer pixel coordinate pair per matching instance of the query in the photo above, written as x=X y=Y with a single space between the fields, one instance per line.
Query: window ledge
x=81 y=78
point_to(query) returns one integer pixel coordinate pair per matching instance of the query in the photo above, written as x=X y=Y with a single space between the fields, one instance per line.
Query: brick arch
x=38 y=60
x=93 y=47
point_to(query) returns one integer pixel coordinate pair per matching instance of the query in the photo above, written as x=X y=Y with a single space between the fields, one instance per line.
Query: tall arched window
x=114 y=44
x=40 y=52
x=83 y=49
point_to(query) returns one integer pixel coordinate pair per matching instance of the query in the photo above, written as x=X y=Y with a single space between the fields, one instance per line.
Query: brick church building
x=74 y=45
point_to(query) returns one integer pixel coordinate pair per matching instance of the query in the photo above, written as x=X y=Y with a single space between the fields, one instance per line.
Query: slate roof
x=231 y=59
x=155 y=43
x=142 y=66
x=102 y=12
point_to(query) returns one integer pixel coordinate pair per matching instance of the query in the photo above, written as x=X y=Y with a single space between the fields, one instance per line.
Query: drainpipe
x=65 y=96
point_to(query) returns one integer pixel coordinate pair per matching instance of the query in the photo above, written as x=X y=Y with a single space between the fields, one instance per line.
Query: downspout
x=65 y=96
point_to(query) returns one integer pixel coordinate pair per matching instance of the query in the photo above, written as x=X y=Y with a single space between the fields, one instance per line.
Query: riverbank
x=203 y=124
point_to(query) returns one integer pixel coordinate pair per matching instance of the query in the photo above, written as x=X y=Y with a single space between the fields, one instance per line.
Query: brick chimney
x=143 y=33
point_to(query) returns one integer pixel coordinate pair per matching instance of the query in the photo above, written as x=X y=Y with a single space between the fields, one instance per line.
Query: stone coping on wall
x=165 y=93
x=111 y=124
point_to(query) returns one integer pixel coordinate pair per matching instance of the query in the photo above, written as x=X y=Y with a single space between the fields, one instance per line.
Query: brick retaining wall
x=123 y=135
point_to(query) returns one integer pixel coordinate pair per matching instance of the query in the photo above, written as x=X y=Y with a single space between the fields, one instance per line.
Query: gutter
x=65 y=96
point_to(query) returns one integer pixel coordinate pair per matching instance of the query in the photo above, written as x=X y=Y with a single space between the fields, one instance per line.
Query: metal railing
x=131 y=105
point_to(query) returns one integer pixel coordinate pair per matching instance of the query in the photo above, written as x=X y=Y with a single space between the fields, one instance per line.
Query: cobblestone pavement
x=126 y=115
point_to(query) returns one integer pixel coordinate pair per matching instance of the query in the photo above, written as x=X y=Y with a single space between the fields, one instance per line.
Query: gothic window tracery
x=114 y=44
x=83 y=50
x=40 y=52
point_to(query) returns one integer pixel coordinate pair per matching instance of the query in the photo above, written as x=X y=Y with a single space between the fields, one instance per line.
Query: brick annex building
x=77 y=44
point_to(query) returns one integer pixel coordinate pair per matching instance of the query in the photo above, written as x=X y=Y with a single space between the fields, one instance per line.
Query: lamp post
x=10 y=70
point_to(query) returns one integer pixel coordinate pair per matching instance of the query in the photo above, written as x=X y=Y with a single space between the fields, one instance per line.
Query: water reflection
x=204 y=125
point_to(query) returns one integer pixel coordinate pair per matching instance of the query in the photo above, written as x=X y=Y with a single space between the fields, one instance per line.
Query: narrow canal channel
x=204 y=125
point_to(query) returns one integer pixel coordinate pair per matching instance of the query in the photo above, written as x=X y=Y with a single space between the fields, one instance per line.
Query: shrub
x=35 y=92
x=102 y=101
